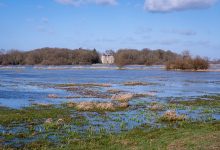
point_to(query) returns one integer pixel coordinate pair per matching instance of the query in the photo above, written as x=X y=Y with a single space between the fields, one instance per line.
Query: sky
x=175 y=25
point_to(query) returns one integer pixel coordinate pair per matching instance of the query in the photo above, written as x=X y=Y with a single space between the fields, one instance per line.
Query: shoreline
x=105 y=67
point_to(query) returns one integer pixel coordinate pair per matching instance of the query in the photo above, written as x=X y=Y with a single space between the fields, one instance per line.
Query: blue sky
x=175 y=25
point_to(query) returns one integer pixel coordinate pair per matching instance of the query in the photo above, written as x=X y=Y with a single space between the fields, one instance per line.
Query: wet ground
x=21 y=86
x=24 y=86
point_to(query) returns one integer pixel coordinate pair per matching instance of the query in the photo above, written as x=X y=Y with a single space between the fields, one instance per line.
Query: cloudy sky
x=112 y=24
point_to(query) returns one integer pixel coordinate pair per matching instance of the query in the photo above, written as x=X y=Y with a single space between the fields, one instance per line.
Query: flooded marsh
x=90 y=106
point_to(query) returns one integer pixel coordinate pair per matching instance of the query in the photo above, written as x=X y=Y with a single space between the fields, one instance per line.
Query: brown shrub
x=200 y=63
x=186 y=62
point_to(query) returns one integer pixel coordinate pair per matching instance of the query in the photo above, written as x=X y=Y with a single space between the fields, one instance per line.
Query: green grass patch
x=36 y=115
x=187 y=136
x=209 y=101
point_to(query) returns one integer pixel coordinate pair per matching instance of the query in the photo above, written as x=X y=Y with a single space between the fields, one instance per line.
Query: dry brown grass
x=97 y=106
x=60 y=121
x=85 y=85
x=70 y=104
x=135 y=83
x=122 y=97
x=105 y=106
x=88 y=106
x=48 y=120
x=123 y=105
x=114 y=91
x=85 y=106
x=171 y=115
x=156 y=107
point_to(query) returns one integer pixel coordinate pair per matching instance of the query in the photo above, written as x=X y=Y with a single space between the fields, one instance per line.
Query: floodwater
x=21 y=86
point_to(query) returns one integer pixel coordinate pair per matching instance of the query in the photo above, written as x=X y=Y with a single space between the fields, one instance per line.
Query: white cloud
x=176 y=5
x=82 y=2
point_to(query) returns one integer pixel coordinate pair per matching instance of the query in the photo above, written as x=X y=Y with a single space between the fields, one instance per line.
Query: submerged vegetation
x=207 y=101
x=37 y=113
x=137 y=83
x=84 y=85
x=71 y=125
x=56 y=132
x=112 y=114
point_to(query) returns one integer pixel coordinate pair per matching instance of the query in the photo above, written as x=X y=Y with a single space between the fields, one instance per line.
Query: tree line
x=50 y=56
x=144 y=57
x=62 y=56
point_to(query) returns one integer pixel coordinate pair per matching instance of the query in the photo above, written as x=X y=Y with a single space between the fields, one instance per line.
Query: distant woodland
x=50 y=56
x=61 y=56
x=144 y=57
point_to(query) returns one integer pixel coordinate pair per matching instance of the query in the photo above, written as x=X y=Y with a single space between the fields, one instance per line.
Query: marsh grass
x=122 y=97
x=84 y=85
x=92 y=106
x=98 y=106
x=37 y=115
x=171 y=116
x=114 y=91
x=188 y=135
x=205 y=101
x=176 y=131
x=156 y=107
x=141 y=95
x=86 y=90
x=137 y=83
